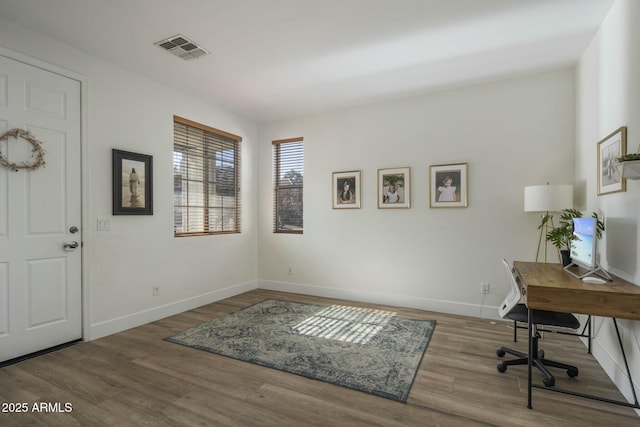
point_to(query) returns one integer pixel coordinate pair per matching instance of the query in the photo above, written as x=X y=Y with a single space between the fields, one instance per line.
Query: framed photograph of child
x=610 y=148
x=346 y=190
x=132 y=183
x=448 y=186
x=394 y=188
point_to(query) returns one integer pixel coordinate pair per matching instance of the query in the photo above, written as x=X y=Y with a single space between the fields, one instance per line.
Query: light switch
x=103 y=224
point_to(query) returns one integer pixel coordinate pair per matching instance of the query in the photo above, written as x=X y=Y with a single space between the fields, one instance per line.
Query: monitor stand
x=598 y=270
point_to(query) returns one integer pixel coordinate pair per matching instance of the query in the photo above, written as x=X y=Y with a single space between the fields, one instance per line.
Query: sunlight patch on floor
x=343 y=323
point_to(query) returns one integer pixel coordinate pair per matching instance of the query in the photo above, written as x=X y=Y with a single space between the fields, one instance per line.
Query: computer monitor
x=584 y=252
x=584 y=243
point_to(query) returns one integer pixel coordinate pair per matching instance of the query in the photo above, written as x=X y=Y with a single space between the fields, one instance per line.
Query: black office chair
x=513 y=309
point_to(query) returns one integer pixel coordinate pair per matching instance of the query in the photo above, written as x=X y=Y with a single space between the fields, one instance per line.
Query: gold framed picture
x=448 y=187
x=346 y=192
x=394 y=188
x=610 y=148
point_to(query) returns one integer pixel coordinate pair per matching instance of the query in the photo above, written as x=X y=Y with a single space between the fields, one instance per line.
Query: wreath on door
x=37 y=150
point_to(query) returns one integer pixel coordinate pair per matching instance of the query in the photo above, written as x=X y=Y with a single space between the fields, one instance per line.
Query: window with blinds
x=288 y=177
x=206 y=180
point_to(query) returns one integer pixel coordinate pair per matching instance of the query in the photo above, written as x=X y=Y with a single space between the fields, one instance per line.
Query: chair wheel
x=541 y=354
x=500 y=353
x=572 y=372
x=502 y=367
x=549 y=382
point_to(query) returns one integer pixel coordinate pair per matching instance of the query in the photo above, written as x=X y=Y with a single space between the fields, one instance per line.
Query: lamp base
x=545 y=226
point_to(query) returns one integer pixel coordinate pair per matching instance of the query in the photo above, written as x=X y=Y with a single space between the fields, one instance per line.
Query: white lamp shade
x=548 y=198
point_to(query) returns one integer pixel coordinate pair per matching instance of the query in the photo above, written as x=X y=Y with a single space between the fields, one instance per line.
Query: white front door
x=40 y=212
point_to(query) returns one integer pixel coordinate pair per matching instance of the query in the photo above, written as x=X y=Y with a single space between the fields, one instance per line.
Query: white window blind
x=206 y=179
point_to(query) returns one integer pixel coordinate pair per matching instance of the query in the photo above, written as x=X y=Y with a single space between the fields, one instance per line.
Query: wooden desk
x=548 y=287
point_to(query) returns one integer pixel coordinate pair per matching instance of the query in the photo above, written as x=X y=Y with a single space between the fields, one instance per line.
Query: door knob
x=73 y=229
x=69 y=246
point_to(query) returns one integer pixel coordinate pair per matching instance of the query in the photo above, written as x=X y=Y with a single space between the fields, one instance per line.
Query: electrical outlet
x=156 y=290
x=484 y=288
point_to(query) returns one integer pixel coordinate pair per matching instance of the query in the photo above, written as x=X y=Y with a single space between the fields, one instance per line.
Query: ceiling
x=276 y=59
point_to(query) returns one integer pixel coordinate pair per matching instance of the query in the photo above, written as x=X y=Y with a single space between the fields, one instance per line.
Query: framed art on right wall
x=610 y=148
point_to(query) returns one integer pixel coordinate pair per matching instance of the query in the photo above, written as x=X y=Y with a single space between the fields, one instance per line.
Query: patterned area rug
x=372 y=351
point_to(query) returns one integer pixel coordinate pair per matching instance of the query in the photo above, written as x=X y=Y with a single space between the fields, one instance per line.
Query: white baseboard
x=112 y=326
x=385 y=298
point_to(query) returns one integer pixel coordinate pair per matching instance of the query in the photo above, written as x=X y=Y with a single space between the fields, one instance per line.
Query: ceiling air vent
x=182 y=47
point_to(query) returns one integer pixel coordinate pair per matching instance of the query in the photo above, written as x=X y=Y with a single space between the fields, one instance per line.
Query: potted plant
x=561 y=236
x=629 y=166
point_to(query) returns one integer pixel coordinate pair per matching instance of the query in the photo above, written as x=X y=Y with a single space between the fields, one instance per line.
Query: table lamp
x=545 y=199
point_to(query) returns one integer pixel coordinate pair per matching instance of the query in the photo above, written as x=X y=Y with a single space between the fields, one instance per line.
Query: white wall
x=129 y=112
x=511 y=133
x=608 y=96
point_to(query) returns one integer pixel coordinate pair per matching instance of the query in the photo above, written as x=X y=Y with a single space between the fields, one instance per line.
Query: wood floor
x=134 y=378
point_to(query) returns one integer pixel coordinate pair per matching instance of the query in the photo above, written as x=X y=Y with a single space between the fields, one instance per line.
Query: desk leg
x=590 y=339
x=626 y=365
x=530 y=358
x=635 y=404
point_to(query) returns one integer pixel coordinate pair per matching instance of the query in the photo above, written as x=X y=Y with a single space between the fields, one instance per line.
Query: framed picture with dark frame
x=132 y=183
x=346 y=192
x=448 y=186
x=610 y=148
x=394 y=188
